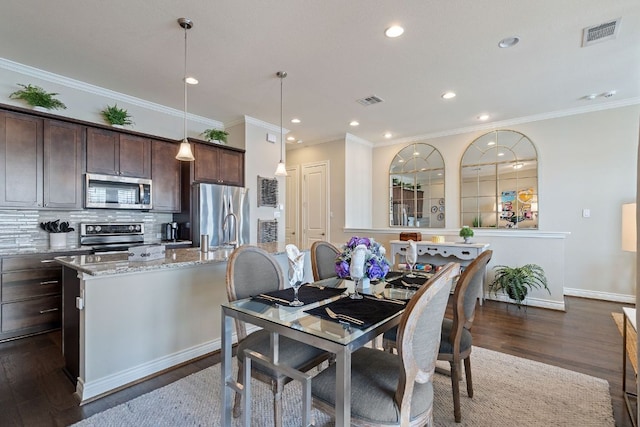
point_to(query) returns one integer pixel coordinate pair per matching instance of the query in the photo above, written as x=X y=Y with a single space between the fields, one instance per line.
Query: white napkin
x=358 y=257
x=412 y=252
x=296 y=262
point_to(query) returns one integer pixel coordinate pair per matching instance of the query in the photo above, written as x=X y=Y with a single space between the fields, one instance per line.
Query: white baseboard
x=606 y=296
x=530 y=302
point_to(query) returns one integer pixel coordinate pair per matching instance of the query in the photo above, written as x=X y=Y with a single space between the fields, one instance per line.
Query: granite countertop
x=34 y=250
x=118 y=262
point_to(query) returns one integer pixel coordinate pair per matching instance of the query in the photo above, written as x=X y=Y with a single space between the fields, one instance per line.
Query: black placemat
x=368 y=310
x=306 y=294
x=408 y=282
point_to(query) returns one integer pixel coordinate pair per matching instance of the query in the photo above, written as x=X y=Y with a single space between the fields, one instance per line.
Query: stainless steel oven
x=107 y=237
x=117 y=192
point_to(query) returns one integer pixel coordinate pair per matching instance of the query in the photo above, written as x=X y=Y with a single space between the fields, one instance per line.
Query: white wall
x=585 y=161
x=261 y=159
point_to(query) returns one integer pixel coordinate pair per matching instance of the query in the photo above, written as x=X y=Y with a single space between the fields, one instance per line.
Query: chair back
x=419 y=335
x=251 y=271
x=466 y=293
x=323 y=260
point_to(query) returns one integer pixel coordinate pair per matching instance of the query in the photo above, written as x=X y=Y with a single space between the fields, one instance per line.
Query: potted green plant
x=517 y=281
x=57 y=233
x=466 y=233
x=116 y=116
x=213 y=135
x=36 y=96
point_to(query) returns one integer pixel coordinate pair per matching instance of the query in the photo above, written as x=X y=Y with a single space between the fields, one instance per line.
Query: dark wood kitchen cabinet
x=63 y=165
x=165 y=176
x=42 y=162
x=31 y=295
x=218 y=164
x=114 y=153
x=21 y=160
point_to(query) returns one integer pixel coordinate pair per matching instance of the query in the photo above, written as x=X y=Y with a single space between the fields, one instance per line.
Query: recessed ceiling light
x=483 y=117
x=295 y=120
x=448 y=95
x=590 y=97
x=388 y=135
x=500 y=154
x=394 y=31
x=491 y=143
x=400 y=161
x=291 y=138
x=299 y=141
x=191 y=80
x=509 y=42
x=354 y=123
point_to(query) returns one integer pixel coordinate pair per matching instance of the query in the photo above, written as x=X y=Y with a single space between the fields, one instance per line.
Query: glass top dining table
x=332 y=335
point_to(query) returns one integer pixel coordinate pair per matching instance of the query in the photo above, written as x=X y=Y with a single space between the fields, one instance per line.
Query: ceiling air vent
x=370 y=100
x=600 y=33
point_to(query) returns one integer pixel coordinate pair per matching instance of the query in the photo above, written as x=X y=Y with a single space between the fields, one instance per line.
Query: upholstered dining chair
x=455 y=345
x=323 y=260
x=252 y=271
x=389 y=389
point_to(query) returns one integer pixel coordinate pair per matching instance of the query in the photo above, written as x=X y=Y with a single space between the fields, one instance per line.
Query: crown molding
x=516 y=121
x=100 y=91
x=257 y=122
x=352 y=138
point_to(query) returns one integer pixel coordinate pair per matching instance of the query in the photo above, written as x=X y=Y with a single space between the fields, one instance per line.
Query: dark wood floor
x=35 y=392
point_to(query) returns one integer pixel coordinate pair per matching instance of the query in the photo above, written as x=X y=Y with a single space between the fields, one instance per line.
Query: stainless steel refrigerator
x=217 y=205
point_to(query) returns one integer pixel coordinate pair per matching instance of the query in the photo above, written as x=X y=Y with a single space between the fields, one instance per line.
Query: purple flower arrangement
x=376 y=265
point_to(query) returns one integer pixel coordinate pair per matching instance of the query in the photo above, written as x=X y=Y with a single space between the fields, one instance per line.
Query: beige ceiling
x=335 y=52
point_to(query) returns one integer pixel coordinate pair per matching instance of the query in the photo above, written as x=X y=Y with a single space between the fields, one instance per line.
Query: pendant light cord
x=185 y=83
x=281 y=133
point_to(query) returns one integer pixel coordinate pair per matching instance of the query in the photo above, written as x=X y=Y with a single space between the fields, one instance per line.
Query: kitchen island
x=124 y=321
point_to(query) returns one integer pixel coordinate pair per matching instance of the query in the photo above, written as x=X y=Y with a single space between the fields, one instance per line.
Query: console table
x=440 y=253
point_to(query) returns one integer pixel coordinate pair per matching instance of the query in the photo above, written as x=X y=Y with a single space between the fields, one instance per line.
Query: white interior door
x=315 y=203
x=292 y=206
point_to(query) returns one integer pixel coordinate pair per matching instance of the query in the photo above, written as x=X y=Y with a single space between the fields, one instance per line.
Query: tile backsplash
x=20 y=229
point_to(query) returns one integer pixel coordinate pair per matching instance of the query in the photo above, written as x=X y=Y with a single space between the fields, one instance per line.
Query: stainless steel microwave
x=117 y=192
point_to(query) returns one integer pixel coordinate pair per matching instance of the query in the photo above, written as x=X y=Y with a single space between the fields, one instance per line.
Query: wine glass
x=411 y=262
x=294 y=280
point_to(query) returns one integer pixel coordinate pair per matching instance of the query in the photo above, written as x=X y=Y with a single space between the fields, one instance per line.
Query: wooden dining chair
x=323 y=260
x=252 y=271
x=389 y=389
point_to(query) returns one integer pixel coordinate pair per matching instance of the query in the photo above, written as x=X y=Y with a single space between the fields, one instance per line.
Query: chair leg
x=237 y=401
x=467 y=371
x=455 y=388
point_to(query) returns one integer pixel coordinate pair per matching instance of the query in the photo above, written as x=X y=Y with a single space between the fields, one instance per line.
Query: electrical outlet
x=586 y=213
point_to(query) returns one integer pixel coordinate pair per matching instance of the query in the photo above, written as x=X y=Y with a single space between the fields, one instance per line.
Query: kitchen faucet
x=236 y=241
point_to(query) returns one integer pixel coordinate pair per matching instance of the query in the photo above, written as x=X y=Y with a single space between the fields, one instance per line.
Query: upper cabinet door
x=206 y=164
x=21 y=159
x=135 y=156
x=102 y=151
x=165 y=174
x=63 y=164
x=113 y=153
x=231 y=167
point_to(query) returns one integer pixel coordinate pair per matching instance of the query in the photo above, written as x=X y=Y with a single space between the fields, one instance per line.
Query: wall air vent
x=600 y=33
x=370 y=100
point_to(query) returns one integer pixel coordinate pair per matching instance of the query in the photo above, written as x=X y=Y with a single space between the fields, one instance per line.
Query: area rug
x=508 y=391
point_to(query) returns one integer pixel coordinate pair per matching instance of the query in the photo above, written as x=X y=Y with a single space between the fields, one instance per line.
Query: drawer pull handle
x=49 y=310
x=49 y=282
x=46 y=261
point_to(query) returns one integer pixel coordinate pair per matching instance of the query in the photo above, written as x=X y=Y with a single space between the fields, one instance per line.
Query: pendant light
x=185 y=154
x=281 y=170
